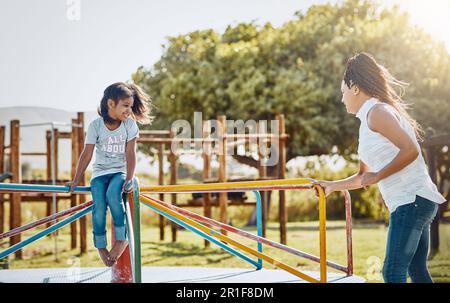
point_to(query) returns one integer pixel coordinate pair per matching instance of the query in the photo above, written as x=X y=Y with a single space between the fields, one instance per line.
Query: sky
x=49 y=58
x=63 y=53
x=432 y=15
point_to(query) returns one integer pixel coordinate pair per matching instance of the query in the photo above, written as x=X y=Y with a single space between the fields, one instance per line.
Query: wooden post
x=206 y=150
x=15 y=200
x=173 y=180
x=56 y=138
x=282 y=175
x=56 y=153
x=161 y=182
x=48 y=137
x=82 y=198
x=223 y=198
x=2 y=170
x=73 y=197
x=432 y=169
x=262 y=174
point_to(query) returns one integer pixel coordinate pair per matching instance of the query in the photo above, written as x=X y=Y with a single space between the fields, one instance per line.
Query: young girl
x=114 y=135
x=390 y=156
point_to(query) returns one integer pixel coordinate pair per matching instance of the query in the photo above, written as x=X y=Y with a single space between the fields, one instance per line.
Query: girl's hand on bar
x=72 y=185
x=127 y=185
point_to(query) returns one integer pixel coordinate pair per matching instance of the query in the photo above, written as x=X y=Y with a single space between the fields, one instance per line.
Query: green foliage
x=253 y=72
x=189 y=171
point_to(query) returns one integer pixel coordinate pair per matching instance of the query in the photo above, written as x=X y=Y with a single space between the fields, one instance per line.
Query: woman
x=390 y=156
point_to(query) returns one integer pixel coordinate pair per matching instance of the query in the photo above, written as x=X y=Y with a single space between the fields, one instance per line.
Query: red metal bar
x=348 y=229
x=6 y=191
x=121 y=271
x=247 y=234
x=53 y=217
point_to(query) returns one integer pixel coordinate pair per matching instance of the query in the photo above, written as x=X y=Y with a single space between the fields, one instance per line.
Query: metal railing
x=193 y=222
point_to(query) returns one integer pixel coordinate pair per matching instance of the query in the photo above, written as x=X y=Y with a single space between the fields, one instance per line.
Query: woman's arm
x=384 y=122
x=352 y=182
x=83 y=162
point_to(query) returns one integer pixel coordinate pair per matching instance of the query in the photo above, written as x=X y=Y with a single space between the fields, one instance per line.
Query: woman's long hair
x=141 y=106
x=376 y=81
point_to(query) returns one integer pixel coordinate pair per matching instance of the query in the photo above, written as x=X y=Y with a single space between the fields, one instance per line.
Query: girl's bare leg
x=104 y=255
x=117 y=250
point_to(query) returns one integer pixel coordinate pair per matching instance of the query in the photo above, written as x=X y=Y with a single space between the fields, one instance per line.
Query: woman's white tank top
x=376 y=151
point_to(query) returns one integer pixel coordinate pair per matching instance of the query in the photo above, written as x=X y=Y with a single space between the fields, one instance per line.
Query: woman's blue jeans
x=107 y=192
x=408 y=242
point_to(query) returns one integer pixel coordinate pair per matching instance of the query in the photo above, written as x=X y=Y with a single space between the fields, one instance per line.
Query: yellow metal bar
x=229 y=240
x=322 y=234
x=260 y=184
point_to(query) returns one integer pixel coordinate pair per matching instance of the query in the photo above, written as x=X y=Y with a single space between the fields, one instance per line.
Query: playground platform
x=129 y=266
x=165 y=275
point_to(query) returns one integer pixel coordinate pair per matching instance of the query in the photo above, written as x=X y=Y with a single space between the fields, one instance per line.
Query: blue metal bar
x=45 y=232
x=259 y=223
x=204 y=235
x=15 y=187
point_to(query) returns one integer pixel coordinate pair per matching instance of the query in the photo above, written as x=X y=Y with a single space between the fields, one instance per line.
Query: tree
x=254 y=72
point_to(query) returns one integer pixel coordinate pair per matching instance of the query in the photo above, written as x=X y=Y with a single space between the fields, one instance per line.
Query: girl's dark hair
x=376 y=81
x=141 y=106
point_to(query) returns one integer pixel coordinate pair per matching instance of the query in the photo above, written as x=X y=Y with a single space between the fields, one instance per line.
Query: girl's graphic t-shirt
x=110 y=145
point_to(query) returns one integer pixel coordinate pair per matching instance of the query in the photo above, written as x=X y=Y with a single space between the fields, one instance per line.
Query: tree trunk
x=432 y=169
x=271 y=172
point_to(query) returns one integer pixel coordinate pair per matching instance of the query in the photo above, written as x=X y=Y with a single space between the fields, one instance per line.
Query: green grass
x=369 y=240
